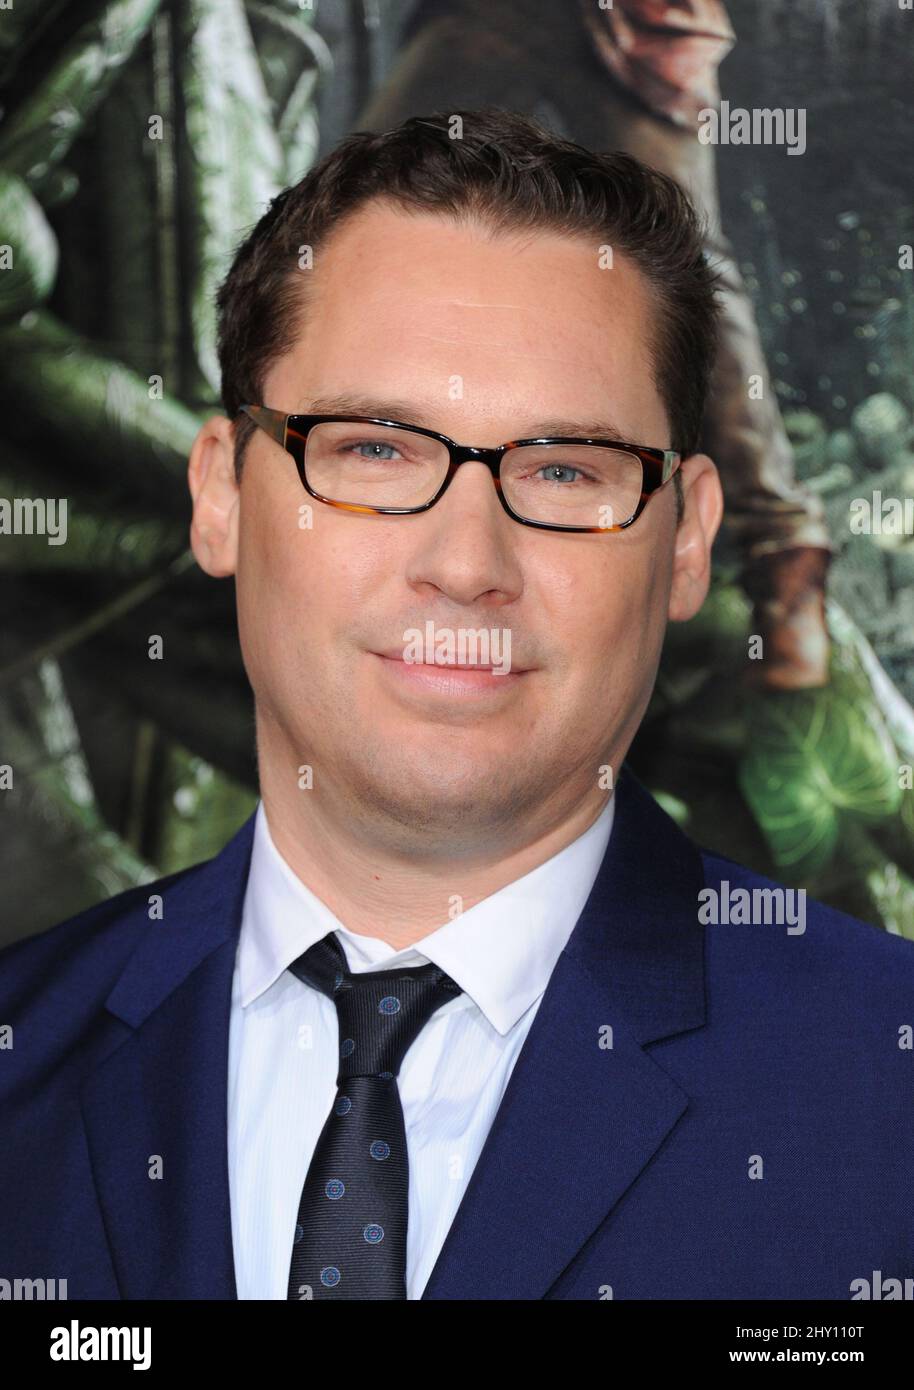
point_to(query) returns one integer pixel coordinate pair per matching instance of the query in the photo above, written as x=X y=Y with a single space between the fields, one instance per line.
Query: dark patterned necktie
x=350 y=1238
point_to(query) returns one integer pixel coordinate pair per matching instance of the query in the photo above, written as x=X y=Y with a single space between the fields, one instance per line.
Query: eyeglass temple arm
x=671 y=461
x=272 y=421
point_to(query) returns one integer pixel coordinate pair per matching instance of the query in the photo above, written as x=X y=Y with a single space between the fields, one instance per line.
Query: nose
x=466 y=549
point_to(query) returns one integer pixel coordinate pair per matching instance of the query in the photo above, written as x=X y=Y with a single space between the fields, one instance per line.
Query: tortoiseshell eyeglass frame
x=291 y=432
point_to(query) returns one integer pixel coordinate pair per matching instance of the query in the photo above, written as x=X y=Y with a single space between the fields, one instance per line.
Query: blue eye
x=559 y=468
x=377 y=447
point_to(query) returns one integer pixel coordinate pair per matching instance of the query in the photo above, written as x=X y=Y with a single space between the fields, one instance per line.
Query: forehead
x=403 y=300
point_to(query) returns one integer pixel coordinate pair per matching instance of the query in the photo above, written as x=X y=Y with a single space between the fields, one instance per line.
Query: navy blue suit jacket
x=631 y=1168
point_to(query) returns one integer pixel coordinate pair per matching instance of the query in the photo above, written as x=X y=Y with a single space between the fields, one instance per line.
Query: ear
x=702 y=511
x=216 y=496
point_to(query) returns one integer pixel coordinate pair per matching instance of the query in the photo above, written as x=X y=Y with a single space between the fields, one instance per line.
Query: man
x=459 y=1012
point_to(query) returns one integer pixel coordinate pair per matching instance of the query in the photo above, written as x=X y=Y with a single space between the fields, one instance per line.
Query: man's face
x=486 y=338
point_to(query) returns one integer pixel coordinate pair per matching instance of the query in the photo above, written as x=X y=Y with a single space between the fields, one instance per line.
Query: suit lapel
x=580 y=1121
x=160 y=1097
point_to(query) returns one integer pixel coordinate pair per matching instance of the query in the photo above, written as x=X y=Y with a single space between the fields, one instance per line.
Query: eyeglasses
x=383 y=467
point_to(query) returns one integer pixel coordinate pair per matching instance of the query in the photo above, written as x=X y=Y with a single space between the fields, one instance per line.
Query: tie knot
x=380 y=1012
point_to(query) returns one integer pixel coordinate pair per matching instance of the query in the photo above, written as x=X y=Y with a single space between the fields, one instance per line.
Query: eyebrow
x=413 y=414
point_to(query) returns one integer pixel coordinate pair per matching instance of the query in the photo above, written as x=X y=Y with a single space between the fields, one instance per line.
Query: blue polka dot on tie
x=385 y=1076
x=389 y=1005
x=373 y=1233
x=343 y=1105
x=379 y=1149
x=335 y=1189
x=299 y=1232
x=330 y=1276
x=347 y=1046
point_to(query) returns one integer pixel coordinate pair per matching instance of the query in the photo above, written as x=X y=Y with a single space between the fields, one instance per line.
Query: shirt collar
x=501 y=951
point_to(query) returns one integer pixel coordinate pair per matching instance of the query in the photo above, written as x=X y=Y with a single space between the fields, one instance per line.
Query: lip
x=397 y=655
x=464 y=678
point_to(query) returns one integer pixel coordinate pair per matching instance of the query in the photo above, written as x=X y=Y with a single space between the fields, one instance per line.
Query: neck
x=389 y=888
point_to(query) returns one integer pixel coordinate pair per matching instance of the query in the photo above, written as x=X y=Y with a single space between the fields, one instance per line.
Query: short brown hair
x=514 y=175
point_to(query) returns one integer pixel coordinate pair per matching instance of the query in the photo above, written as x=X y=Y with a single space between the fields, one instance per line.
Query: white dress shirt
x=284 y=1036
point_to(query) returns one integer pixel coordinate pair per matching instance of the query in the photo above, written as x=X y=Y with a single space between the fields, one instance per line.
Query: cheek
x=590 y=602
x=608 y=618
x=300 y=588
x=274 y=581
